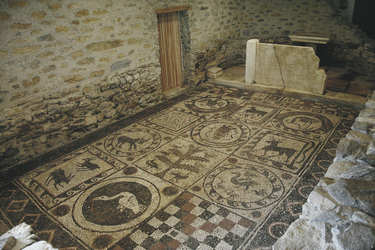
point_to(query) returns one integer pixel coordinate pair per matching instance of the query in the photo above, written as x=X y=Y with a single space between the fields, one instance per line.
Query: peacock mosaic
x=208 y=171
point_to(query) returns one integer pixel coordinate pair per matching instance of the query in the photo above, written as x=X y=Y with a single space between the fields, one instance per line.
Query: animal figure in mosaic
x=303 y=122
x=178 y=176
x=152 y=164
x=273 y=145
x=87 y=165
x=132 y=142
x=127 y=200
x=254 y=111
x=213 y=103
x=246 y=182
x=223 y=131
x=58 y=177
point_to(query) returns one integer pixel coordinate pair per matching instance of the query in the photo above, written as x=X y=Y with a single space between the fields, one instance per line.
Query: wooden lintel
x=172 y=9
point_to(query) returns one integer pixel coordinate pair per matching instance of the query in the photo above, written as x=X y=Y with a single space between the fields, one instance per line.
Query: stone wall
x=48 y=122
x=56 y=55
x=273 y=21
x=340 y=212
x=70 y=67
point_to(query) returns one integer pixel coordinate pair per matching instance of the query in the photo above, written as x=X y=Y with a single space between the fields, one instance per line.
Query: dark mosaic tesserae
x=214 y=168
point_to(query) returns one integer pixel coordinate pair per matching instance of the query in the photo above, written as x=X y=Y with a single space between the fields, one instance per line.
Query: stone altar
x=284 y=66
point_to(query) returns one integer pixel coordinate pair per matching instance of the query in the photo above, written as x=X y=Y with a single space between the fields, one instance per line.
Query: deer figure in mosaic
x=273 y=145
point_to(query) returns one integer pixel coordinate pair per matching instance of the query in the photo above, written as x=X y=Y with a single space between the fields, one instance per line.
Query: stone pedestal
x=251 y=51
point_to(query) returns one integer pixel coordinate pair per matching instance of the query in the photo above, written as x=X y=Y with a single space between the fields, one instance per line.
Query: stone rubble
x=340 y=211
x=22 y=237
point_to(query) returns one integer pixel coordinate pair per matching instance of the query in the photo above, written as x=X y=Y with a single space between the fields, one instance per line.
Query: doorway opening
x=173 y=45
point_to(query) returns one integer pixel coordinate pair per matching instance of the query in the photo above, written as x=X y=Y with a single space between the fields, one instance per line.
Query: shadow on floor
x=342 y=80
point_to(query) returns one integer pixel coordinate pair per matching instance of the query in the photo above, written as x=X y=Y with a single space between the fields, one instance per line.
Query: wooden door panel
x=170 y=50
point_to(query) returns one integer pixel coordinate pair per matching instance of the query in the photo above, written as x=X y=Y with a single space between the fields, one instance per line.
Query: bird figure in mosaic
x=127 y=200
x=58 y=177
x=247 y=182
x=152 y=164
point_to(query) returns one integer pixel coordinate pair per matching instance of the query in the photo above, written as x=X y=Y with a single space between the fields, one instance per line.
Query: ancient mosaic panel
x=248 y=188
x=181 y=162
x=59 y=180
x=218 y=168
x=279 y=150
x=173 y=121
x=132 y=142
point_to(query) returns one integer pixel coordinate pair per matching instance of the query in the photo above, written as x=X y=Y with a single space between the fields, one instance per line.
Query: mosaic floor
x=218 y=168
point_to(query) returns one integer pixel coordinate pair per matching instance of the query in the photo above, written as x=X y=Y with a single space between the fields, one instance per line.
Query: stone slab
x=267 y=70
x=294 y=68
x=309 y=38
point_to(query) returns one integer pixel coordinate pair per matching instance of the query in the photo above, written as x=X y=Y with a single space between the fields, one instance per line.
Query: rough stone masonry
x=340 y=212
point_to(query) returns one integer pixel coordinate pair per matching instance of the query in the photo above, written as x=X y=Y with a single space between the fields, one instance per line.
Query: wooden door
x=170 y=50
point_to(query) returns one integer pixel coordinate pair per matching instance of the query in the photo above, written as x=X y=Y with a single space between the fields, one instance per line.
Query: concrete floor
x=215 y=168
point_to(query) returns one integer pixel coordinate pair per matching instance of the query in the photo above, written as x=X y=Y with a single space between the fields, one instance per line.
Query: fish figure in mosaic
x=87 y=165
x=58 y=177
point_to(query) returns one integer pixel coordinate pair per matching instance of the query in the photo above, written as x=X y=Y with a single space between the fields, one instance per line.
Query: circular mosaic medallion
x=220 y=133
x=210 y=104
x=116 y=204
x=303 y=122
x=131 y=142
x=243 y=187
